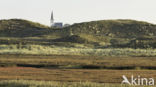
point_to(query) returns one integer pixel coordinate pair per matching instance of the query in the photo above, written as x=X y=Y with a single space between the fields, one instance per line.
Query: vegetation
x=67 y=68
x=27 y=83
x=76 y=50
x=71 y=75
x=78 y=62
x=98 y=34
x=21 y=28
x=119 y=33
x=116 y=28
x=98 y=52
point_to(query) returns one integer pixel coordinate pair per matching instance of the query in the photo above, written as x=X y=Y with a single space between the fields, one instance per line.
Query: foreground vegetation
x=78 y=62
x=71 y=75
x=75 y=68
x=28 y=83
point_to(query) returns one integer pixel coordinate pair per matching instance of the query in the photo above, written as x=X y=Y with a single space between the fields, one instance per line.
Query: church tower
x=55 y=24
x=52 y=20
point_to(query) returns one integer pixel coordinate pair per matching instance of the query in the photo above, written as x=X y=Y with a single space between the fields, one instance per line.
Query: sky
x=76 y=11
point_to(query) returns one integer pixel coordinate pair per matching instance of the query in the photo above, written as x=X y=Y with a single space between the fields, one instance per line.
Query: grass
x=71 y=75
x=95 y=34
x=74 y=68
x=61 y=68
x=78 y=62
x=114 y=28
x=87 y=60
x=55 y=50
x=29 y=83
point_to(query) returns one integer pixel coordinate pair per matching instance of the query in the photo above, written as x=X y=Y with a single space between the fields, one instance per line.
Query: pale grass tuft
x=54 y=50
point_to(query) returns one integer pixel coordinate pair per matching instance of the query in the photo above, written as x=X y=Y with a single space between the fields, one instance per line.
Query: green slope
x=100 y=34
x=116 y=28
x=20 y=28
x=117 y=33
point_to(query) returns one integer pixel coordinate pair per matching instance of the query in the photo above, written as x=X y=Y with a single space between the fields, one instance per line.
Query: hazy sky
x=75 y=11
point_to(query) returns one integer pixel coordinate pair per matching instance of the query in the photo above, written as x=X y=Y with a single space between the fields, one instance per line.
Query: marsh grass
x=78 y=62
x=31 y=83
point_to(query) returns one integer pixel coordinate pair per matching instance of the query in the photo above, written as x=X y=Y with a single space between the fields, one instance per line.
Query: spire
x=52 y=19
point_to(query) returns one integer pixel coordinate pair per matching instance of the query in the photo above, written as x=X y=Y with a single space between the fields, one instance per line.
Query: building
x=55 y=24
x=58 y=25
